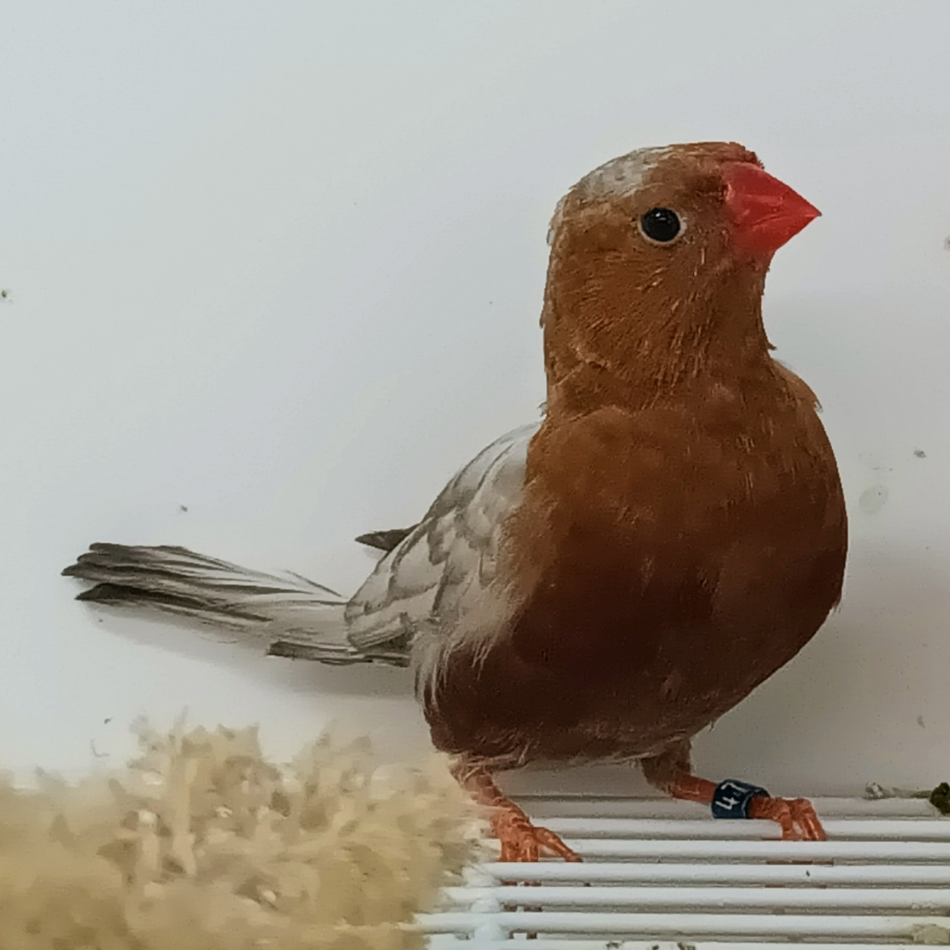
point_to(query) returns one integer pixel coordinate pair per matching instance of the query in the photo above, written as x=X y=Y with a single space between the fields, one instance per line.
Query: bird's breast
x=664 y=564
x=669 y=529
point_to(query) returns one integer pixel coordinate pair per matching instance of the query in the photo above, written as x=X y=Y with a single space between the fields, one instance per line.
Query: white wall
x=281 y=264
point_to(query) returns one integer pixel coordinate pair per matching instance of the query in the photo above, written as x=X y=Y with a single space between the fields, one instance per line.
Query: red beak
x=765 y=211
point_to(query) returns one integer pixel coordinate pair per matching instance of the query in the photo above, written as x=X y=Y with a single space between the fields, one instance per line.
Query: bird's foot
x=796 y=816
x=522 y=841
x=731 y=799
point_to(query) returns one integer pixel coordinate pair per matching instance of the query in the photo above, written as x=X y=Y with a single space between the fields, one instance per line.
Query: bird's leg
x=520 y=840
x=671 y=772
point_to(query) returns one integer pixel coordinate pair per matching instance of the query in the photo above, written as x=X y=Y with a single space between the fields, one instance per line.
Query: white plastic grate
x=663 y=875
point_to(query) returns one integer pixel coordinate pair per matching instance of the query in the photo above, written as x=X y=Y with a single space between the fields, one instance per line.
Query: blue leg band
x=731 y=798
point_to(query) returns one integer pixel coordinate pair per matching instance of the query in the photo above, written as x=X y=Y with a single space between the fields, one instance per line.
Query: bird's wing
x=384 y=540
x=448 y=560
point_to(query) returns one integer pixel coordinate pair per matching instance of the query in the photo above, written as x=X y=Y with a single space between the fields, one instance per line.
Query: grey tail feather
x=297 y=616
x=385 y=540
x=300 y=645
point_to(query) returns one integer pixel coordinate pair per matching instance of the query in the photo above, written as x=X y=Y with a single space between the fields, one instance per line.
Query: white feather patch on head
x=620 y=176
x=556 y=221
x=623 y=175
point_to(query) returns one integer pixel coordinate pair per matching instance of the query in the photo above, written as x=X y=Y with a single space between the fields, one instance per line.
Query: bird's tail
x=297 y=617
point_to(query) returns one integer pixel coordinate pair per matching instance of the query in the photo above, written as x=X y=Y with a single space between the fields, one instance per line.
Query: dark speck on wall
x=920 y=453
x=183 y=508
x=920 y=722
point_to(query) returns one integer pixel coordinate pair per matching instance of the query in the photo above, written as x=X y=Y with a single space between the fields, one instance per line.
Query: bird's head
x=658 y=262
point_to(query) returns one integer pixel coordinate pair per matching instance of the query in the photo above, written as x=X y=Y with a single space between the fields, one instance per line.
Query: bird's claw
x=522 y=841
x=796 y=816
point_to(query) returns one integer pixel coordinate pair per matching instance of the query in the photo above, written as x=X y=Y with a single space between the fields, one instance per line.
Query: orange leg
x=520 y=840
x=796 y=816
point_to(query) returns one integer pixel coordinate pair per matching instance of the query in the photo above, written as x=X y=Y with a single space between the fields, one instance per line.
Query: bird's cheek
x=757 y=262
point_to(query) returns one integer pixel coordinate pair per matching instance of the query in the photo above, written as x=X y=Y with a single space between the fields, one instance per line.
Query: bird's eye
x=660 y=225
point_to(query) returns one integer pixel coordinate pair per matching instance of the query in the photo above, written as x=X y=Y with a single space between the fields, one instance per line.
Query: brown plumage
x=608 y=584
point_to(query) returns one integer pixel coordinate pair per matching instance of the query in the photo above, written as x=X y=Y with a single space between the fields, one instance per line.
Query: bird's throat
x=603 y=349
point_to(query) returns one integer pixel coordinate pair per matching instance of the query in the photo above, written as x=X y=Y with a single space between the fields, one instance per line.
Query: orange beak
x=765 y=212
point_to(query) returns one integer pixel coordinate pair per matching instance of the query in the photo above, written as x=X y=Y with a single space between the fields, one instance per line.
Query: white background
x=281 y=264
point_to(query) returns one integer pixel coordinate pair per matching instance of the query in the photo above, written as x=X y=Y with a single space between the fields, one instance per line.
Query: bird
x=604 y=583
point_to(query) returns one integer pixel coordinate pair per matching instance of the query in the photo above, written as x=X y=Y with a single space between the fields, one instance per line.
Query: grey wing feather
x=384 y=540
x=449 y=557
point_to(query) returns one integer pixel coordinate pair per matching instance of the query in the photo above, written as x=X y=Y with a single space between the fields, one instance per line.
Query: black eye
x=661 y=225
